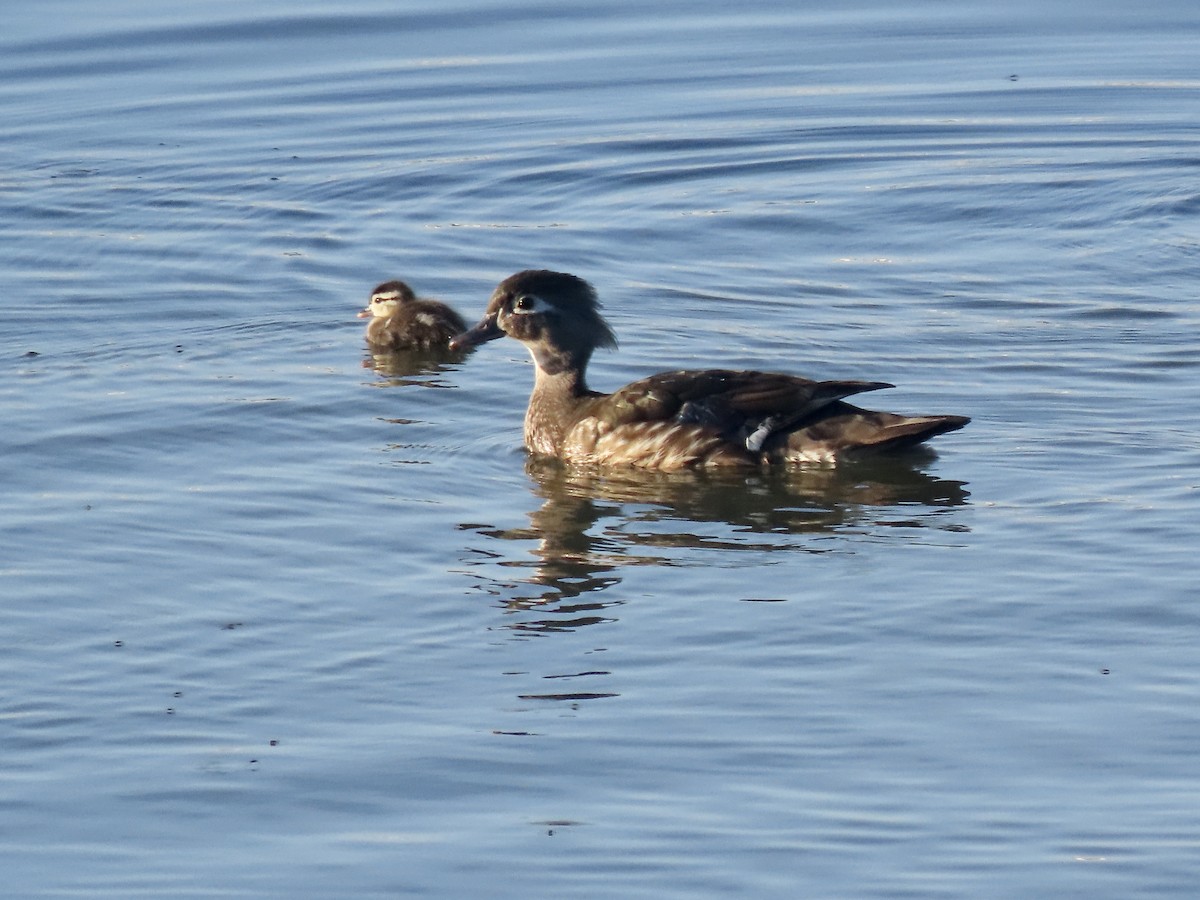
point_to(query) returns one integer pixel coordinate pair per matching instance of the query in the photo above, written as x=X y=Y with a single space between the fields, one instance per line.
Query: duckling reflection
x=594 y=522
x=412 y=366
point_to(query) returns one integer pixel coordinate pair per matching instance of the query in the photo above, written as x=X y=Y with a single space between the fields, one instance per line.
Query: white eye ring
x=528 y=304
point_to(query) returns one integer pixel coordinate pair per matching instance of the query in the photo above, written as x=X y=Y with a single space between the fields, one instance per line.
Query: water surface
x=282 y=619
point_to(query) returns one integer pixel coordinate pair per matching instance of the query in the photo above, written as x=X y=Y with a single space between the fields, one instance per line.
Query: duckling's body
x=704 y=417
x=402 y=321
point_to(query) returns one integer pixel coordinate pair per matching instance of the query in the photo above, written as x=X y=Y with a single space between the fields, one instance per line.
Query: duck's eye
x=525 y=304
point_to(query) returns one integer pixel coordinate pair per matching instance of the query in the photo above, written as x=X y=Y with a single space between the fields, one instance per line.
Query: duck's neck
x=552 y=405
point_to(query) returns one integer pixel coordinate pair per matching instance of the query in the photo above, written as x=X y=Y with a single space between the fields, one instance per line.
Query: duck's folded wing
x=724 y=399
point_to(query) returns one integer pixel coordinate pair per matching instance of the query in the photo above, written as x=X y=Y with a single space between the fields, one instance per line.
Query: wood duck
x=673 y=420
x=401 y=321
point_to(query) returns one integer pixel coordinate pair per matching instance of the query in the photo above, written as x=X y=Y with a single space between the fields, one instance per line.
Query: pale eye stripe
x=539 y=306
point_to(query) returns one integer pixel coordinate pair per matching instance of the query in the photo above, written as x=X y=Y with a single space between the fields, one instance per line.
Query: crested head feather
x=569 y=294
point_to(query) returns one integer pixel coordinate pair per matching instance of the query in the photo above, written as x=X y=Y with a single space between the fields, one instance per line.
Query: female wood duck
x=699 y=417
x=401 y=321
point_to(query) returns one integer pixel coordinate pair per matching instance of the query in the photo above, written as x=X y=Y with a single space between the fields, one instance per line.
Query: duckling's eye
x=525 y=304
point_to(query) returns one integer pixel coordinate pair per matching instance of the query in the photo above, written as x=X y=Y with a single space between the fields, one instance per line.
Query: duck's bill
x=486 y=330
x=365 y=313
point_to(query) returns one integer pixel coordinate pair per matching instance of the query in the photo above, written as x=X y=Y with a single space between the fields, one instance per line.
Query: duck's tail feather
x=841 y=428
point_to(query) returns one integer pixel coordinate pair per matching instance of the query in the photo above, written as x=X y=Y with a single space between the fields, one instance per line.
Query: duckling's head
x=386 y=299
x=555 y=315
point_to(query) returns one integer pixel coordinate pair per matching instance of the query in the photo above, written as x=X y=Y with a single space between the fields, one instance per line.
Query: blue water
x=280 y=619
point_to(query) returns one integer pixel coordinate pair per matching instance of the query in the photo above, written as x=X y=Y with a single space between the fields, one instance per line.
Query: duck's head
x=386 y=299
x=555 y=315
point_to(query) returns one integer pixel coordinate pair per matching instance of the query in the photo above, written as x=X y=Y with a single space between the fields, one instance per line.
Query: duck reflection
x=592 y=524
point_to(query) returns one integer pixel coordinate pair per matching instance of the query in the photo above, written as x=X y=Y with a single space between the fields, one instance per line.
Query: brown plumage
x=674 y=419
x=402 y=321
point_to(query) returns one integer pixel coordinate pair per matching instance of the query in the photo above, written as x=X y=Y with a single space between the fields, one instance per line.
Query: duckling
x=402 y=321
x=674 y=420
